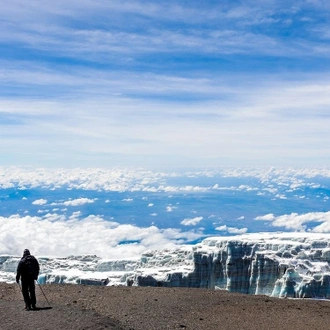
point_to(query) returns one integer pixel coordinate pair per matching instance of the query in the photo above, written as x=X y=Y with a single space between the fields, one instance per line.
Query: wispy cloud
x=175 y=29
x=173 y=80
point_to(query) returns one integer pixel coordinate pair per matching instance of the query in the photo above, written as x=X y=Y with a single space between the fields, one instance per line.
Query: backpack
x=29 y=266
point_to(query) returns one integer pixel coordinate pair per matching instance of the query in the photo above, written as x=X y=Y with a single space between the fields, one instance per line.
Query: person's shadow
x=40 y=309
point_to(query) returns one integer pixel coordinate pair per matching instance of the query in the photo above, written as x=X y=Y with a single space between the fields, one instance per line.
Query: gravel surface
x=147 y=308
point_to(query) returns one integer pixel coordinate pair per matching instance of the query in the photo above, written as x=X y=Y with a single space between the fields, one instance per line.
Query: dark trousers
x=29 y=293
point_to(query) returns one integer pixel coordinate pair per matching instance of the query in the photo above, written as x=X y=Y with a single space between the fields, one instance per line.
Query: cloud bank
x=55 y=235
x=299 y=222
x=269 y=179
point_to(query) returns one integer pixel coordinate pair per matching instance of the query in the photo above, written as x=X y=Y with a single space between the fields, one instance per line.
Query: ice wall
x=276 y=264
x=281 y=265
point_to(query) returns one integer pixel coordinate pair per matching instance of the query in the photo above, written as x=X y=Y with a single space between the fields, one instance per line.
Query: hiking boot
x=27 y=307
x=34 y=307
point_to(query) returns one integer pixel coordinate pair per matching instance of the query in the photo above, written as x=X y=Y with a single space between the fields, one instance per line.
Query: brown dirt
x=145 y=308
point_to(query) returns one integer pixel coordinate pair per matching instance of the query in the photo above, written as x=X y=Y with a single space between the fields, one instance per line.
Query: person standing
x=28 y=271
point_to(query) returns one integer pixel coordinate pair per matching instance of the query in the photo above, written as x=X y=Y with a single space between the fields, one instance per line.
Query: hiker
x=28 y=271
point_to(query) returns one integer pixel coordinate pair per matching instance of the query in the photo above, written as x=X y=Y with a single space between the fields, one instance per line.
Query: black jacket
x=28 y=268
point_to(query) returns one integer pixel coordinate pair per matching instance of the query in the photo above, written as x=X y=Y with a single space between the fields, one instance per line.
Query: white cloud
x=51 y=234
x=232 y=230
x=43 y=211
x=299 y=222
x=221 y=106
x=221 y=228
x=76 y=202
x=267 y=217
x=281 y=196
x=40 y=202
x=191 y=221
x=170 y=208
x=235 y=34
x=127 y=200
x=150 y=204
x=75 y=215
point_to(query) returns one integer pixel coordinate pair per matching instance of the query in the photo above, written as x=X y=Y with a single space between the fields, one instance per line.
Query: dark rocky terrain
x=146 y=308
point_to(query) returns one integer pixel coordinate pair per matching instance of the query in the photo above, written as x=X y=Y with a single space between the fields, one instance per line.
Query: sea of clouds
x=52 y=233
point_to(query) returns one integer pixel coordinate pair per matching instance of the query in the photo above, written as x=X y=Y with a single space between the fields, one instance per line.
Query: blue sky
x=164 y=83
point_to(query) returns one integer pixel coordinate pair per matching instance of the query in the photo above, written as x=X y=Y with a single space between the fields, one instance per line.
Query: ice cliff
x=280 y=265
x=276 y=264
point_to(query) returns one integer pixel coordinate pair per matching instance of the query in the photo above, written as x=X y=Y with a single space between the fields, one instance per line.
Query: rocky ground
x=146 y=308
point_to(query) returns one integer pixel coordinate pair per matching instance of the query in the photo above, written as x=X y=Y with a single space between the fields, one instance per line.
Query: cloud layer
x=270 y=180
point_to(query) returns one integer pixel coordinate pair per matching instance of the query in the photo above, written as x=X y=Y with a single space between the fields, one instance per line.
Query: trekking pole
x=43 y=293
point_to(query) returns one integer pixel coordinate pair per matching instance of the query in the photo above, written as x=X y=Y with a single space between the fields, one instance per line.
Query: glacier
x=293 y=265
